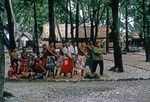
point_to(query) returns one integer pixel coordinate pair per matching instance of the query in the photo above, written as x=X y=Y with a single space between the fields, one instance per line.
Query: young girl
x=31 y=61
x=67 y=65
x=58 y=61
x=80 y=64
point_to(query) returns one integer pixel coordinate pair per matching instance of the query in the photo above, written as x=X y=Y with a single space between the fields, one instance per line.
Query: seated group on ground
x=57 y=61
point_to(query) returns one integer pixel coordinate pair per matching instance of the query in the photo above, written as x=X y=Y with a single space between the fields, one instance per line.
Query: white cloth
x=73 y=50
x=66 y=52
x=76 y=50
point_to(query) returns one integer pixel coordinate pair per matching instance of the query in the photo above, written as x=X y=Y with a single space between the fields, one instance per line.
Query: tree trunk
x=127 y=35
x=2 y=56
x=107 y=31
x=146 y=38
x=115 y=31
x=66 y=30
x=52 y=37
x=57 y=25
x=35 y=31
x=86 y=39
x=148 y=42
x=10 y=24
x=6 y=42
x=71 y=22
x=97 y=19
x=77 y=22
x=96 y=26
x=92 y=25
x=66 y=23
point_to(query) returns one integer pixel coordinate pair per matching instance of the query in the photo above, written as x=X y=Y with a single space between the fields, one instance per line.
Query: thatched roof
x=101 y=31
x=132 y=35
x=21 y=34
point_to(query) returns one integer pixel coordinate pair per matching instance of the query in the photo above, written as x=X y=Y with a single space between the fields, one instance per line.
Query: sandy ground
x=101 y=91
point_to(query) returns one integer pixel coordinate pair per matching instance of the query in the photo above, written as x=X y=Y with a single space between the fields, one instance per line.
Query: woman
x=97 y=58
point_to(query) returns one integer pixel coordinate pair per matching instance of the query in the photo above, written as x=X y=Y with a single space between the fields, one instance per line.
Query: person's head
x=14 y=50
x=44 y=46
x=14 y=66
x=36 y=62
x=51 y=44
x=83 y=44
x=98 y=44
x=68 y=43
x=63 y=44
x=74 y=44
x=24 y=49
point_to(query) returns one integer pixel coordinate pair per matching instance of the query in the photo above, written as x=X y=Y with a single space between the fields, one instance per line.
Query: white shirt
x=66 y=51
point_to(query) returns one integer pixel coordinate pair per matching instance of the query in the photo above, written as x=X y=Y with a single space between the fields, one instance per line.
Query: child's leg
x=101 y=63
x=47 y=73
x=82 y=72
x=58 y=73
x=94 y=66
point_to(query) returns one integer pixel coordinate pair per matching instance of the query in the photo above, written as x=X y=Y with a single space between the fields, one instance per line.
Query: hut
x=24 y=39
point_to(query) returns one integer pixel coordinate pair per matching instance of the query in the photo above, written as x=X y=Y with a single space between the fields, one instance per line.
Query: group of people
x=64 y=59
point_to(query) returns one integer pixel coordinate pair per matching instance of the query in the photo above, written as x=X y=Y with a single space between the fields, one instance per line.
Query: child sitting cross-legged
x=24 y=70
x=38 y=70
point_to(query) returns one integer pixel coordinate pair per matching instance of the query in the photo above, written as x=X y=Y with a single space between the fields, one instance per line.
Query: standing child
x=15 y=59
x=80 y=64
x=58 y=61
x=67 y=65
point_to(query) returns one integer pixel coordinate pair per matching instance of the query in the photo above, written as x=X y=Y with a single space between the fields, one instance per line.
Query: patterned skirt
x=80 y=64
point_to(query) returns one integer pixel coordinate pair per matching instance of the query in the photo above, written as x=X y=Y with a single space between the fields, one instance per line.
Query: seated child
x=31 y=61
x=12 y=72
x=38 y=70
x=24 y=71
